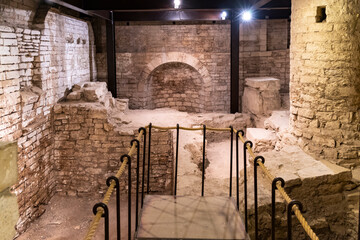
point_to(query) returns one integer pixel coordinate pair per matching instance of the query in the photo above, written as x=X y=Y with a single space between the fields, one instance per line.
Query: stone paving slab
x=190 y=217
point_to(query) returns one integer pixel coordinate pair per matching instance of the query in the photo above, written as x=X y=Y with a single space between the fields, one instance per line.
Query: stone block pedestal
x=8 y=202
x=261 y=95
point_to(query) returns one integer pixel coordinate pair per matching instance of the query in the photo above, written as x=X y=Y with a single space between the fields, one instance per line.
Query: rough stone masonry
x=325 y=79
x=39 y=59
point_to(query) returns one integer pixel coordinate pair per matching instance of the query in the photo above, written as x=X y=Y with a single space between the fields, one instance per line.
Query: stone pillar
x=8 y=177
x=325 y=78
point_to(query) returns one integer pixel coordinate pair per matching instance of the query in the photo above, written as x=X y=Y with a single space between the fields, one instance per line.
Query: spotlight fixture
x=177 y=3
x=223 y=15
x=246 y=15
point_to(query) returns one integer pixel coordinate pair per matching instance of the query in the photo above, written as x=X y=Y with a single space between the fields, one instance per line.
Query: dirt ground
x=70 y=217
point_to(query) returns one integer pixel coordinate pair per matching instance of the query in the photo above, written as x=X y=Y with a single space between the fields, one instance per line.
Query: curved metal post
x=291 y=212
x=137 y=181
x=149 y=154
x=245 y=183
x=273 y=188
x=256 y=194
x=104 y=215
x=203 y=163
x=231 y=157
x=129 y=192
x=117 y=186
x=237 y=167
x=143 y=167
x=176 y=156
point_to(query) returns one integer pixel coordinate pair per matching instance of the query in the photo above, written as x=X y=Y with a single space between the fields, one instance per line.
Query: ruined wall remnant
x=37 y=63
x=88 y=148
x=325 y=79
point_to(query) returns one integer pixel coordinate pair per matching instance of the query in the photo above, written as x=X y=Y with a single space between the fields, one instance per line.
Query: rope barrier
x=281 y=190
x=96 y=219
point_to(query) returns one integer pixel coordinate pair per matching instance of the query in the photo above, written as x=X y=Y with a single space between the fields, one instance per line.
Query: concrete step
x=190 y=217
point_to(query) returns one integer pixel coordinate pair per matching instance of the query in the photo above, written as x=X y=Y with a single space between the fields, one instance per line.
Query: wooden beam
x=111 y=55
x=163 y=4
x=180 y=15
x=261 y=3
x=234 y=64
x=192 y=15
x=76 y=6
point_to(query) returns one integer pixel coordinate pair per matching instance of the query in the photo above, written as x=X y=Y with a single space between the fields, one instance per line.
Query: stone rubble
x=263 y=140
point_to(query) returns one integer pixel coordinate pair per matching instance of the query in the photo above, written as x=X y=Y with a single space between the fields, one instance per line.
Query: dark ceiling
x=163 y=10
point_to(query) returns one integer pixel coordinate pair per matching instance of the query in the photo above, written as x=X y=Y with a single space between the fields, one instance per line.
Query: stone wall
x=325 y=79
x=264 y=51
x=205 y=48
x=37 y=64
x=88 y=148
x=18 y=13
x=144 y=47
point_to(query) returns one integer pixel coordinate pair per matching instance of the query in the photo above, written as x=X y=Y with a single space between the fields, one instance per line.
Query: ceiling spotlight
x=177 y=3
x=246 y=15
x=223 y=15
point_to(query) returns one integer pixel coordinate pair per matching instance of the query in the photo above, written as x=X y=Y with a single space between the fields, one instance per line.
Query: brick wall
x=37 y=64
x=88 y=149
x=263 y=52
x=175 y=85
x=325 y=80
x=206 y=48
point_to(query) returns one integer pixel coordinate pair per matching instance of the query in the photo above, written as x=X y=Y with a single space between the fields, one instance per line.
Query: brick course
x=325 y=80
x=37 y=64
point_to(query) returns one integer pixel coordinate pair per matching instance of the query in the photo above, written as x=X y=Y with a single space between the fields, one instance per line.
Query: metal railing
x=101 y=210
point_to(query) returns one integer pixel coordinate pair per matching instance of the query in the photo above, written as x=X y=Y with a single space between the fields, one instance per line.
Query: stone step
x=190 y=217
x=320 y=188
x=278 y=121
x=264 y=140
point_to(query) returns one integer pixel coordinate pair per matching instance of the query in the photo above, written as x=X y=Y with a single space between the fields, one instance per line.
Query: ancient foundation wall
x=325 y=79
x=325 y=208
x=88 y=148
x=144 y=48
x=37 y=64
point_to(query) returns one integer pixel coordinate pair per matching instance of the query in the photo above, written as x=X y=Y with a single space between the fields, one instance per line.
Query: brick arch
x=177 y=57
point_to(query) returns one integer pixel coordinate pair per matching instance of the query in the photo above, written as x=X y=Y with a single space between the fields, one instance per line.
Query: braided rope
x=96 y=219
x=281 y=190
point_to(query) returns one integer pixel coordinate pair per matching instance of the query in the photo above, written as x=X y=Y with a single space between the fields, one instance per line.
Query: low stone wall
x=88 y=149
x=322 y=190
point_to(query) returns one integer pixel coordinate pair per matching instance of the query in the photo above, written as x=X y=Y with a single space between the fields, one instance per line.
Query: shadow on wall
x=175 y=85
x=175 y=80
x=66 y=54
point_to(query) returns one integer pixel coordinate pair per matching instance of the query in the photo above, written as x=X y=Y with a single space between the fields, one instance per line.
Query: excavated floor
x=69 y=217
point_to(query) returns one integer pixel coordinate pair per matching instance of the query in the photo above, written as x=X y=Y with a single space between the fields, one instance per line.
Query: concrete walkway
x=190 y=217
